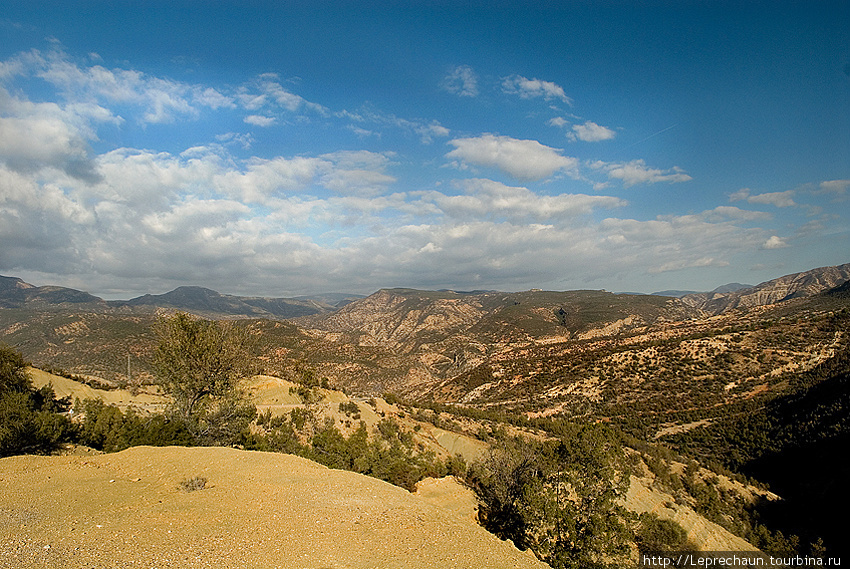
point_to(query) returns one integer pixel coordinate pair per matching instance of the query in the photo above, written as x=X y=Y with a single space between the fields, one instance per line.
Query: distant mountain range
x=15 y=293
x=731 y=287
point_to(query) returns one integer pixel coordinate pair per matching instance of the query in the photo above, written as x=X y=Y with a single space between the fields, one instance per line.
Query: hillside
x=654 y=489
x=663 y=376
x=537 y=352
x=258 y=510
x=796 y=285
x=441 y=334
x=212 y=304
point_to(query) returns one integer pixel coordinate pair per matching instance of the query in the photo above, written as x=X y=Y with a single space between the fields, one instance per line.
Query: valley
x=445 y=376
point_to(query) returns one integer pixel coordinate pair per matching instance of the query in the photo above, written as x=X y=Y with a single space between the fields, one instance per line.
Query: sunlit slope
x=258 y=510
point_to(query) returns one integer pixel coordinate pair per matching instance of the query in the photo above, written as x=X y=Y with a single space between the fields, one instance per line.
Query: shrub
x=30 y=420
x=193 y=484
x=106 y=428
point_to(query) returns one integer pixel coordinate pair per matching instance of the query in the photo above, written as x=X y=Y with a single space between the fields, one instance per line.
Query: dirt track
x=258 y=510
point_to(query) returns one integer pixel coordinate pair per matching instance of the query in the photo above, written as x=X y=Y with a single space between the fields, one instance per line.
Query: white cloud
x=427 y=131
x=345 y=220
x=193 y=215
x=835 y=186
x=259 y=120
x=637 y=172
x=777 y=199
x=163 y=100
x=157 y=220
x=493 y=200
x=679 y=265
x=275 y=93
x=462 y=80
x=741 y=194
x=774 y=242
x=34 y=136
x=521 y=159
x=532 y=88
x=592 y=132
x=731 y=213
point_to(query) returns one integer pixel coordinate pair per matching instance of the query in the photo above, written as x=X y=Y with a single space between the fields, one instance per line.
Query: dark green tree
x=558 y=498
x=30 y=419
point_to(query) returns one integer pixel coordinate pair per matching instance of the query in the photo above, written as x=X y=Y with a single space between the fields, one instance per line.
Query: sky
x=282 y=148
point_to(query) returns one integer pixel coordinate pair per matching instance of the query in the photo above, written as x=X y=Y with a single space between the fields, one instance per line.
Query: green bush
x=30 y=419
x=655 y=535
x=558 y=498
x=106 y=428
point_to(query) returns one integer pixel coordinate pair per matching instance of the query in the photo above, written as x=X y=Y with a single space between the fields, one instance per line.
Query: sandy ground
x=258 y=510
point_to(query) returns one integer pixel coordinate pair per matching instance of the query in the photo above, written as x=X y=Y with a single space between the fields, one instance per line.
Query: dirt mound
x=256 y=510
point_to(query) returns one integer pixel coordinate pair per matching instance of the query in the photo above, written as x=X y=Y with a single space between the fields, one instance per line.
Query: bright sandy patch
x=259 y=510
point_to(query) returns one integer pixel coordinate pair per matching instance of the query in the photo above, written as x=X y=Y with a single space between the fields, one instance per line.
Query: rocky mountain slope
x=539 y=351
x=796 y=285
x=446 y=333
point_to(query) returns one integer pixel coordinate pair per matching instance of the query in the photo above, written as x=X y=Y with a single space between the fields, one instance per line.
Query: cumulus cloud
x=163 y=100
x=348 y=220
x=731 y=213
x=778 y=199
x=637 y=172
x=774 y=242
x=591 y=132
x=533 y=88
x=521 y=159
x=46 y=135
x=461 y=80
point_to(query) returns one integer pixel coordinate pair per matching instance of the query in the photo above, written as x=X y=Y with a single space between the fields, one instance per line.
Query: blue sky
x=283 y=148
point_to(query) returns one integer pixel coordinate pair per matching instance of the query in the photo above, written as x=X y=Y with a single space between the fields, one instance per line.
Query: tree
x=558 y=497
x=200 y=363
x=29 y=418
x=13 y=373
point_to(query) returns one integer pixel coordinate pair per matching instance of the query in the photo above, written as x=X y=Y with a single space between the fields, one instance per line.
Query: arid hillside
x=536 y=352
x=796 y=285
x=255 y=510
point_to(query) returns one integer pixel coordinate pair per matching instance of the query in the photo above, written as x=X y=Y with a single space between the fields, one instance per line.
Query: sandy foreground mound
x=258 y=510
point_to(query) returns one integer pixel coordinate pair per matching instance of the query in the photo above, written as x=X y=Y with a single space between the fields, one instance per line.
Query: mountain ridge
x=787 y=287
x=16 y=293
